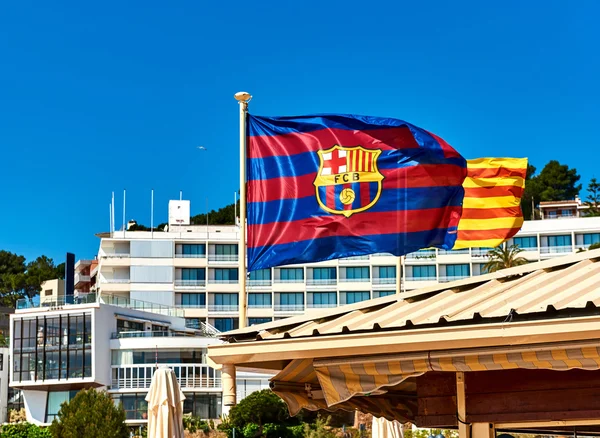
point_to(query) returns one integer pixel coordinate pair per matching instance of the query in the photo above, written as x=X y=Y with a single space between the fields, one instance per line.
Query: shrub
x=320 y=429
x=193 y=424
x=260 y=407
x=251 y=430
x=24 y=430
x=90 y=414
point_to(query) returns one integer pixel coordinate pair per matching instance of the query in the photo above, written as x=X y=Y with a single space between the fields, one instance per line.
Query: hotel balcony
x=190 y=284
x=289 y=308
x=223 y=308
x=321 y=306
x=223 y=258
x=196 y=376
x=556 y=250
x=257 y=284
x=421 y=278
x=355 y=280
x=446 y=279
x=321 y=282
x=379 y=280
x=353 y=260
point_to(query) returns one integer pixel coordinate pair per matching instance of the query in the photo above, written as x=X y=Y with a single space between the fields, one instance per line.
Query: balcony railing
x=116 y=255
x=453 y=251
x=81 y=278
x=260 y=306
x=191 y=306
x=380 y=280
x=556 y=249
x=421 y=255
x=153 y=334
x=321 y=306
x=286 y=281
x=145 y=306
x=190 y=283
x=480 y=252
x=382 y=254
x=446 y=278
x=223 y=308
x=421 y=278
x=214 y=281
x=61 y=301
x=188 y=376
x=354 y=258
x=259 y=283
x=226 y=258
x=190 y=256
x=321 y=282
x=289 y=307
x=116 y=280
x=355 y=280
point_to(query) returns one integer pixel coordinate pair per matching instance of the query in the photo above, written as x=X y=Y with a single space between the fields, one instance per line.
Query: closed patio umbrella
x=383 y=428
x=165 y=405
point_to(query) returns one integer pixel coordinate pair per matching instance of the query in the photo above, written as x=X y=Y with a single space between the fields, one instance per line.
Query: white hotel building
x=195 y=268
x=161 y=297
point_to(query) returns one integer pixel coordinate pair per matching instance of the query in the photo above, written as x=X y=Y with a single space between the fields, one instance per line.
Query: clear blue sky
x=107 y=96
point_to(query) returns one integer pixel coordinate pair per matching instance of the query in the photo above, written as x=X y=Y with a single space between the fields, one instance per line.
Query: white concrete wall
x=35 y=405
x=5 y=352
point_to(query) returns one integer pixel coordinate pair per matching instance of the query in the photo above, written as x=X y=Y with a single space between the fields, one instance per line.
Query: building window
x=261 y=275
x=566 y=213
x=526 y=242
x=226 y=275
x=202 y=405
x=194 y=323
x=135 y=405
x=193 y=274
x=552 y=214
x=387 y=272
x=226 y=324
x=191 y=300
x=291 y=299
x=563 y=240
x=457 y=270
x=15 y=400
x=324 y=299
x=262 y=301
x=226 y=300
x=590 y=239
x=383 y=293
x=324 y=274
x=52 y=348
x=124 y=325
x=291 y=274
x=425 y=271
x=355 y=297
x=357 y=273
x=226 y=250
x=190 y=250
x=55 y=399
x=256 y=321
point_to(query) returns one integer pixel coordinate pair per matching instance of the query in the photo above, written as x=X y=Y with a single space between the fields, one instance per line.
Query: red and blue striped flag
x=333 y=186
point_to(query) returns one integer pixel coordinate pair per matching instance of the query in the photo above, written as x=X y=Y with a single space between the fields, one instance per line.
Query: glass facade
x=124 y=325
x=205 y=406
x=226 y=250
x=291 y=274
x=387 y=271
x=462 y=270
x=226 y=324
x=324 y=273
x=135 y=405
x=355 y=297
x=291 y=298
x=526 y=242
x=226 y=299
x=259 y=300
x=324 y=299
x=563 y=240
x=383 y=293
x=226 y=274
x=55 y=399
x=52 y=348
x=191 y=300
x=261 y=275
x=357 y=273
x=256 y=321
x=190 y=250
x=136 y=357
x=193 y=274
x=425 y=271
x=590 y=239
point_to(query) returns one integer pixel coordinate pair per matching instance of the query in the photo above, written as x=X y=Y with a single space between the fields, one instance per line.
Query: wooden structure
x=516 y=350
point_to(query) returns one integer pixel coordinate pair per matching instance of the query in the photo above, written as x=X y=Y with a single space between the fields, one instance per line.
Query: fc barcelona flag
x=332 y=186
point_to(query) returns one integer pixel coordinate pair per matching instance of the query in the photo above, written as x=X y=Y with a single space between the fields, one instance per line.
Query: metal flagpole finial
x=243 y=98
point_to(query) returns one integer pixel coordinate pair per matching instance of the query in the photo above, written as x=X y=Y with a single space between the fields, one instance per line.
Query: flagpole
x=243 y=98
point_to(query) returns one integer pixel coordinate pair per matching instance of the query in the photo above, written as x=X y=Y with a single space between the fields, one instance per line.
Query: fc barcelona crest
x=348 y=180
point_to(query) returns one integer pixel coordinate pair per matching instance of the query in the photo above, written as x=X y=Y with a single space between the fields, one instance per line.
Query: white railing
x=81 y=278
x=116 y=255
x=453 y=251
x=116 y=280
x=355 y=280
x=321 y=282
x=213 y=281
x=297 y=280
x=382 y=254
x=384 y=280
x=260 y=306
x=188 y=376
x=421 y=255
x=190 y=283
x=258 y=283
x=354 y=258
x=223 y=308
x=421 y=278
x=480 y=252
x=223 y=258
x=191 y=306
x=190 y=256
x=289 y=307
x=556 y=249
x=446 y=278
x=321 y=306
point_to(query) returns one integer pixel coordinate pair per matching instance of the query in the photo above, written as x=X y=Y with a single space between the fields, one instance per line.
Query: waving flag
x=332 y=186
x=492 y=205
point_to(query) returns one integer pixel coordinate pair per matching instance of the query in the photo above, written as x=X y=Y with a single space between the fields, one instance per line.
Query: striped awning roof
x=384 y=386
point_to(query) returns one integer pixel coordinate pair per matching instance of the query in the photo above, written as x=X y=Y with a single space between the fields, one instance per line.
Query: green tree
x=12 y=277
x=24 y=430
x=594 y=246
x=556 y=182
x=223 y=216
x=90 y=414
x=502 y=258
x=593 y=198
x=260 y=407
x=531 y=193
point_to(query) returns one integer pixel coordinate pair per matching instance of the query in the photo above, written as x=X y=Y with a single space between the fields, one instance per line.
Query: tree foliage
x=23 y=280
x=556 y=182
x=260 y=407
x=24 y=430
x=503 y=258
x=223 y=216
x=593 y=198
x=90 y=414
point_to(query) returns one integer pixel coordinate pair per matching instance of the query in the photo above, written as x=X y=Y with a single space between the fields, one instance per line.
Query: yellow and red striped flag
x=492 y=204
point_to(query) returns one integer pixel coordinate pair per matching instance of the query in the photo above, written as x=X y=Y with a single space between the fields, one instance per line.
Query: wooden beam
x=482 y=430
x=461 y=405
x=544 y=424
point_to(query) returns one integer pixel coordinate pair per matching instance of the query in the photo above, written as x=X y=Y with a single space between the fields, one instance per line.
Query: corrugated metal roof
x=543 y=290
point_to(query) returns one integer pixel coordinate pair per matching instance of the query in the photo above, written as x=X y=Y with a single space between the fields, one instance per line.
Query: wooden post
x=482 y=430
x=464 y=430
x=228 y=382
